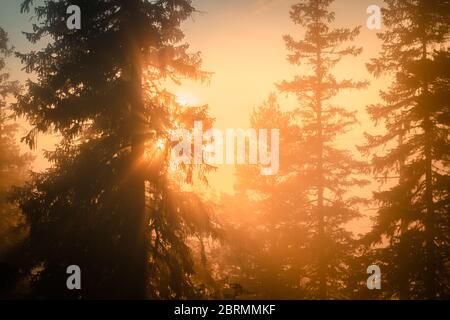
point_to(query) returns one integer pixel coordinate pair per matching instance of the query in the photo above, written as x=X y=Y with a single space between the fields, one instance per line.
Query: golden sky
x=241 y=42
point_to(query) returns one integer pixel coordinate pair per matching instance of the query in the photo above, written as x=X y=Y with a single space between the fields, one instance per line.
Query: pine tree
x=328 y=170
x=413 y=214
x=14 y=167
x=263 y=251
x=108 y=203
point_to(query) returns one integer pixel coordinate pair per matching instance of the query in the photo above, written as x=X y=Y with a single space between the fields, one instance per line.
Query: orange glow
x=186 y=98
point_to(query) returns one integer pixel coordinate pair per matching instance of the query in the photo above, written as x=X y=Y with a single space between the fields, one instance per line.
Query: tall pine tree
x=328 y=170
x=410 y=233
x=14 y=167
x=107 y=203
x=264 y=250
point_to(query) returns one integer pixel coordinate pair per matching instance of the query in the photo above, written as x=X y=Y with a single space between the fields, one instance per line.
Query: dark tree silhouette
x=108 y=203
x=414 y=213
x=328 y=170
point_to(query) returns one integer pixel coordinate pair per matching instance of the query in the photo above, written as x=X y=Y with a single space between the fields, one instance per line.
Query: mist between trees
x=240 y=147
x=112 y=204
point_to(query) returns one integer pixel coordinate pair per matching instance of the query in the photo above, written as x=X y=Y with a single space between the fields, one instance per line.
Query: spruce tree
x=263 y=252
x=411 y=225
x=14 y=167
x=328 y=170
x=107 y=203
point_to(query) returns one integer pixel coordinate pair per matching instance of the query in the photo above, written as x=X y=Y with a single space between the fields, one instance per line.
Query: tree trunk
x=430 y=280
x=320 y=216
x=320 y=184
x=134 y=235
x=403 y=274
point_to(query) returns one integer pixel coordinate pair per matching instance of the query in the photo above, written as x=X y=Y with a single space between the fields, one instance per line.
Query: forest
x=131 y=202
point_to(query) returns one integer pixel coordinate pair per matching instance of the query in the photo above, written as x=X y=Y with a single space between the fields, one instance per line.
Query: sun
x=186 y=98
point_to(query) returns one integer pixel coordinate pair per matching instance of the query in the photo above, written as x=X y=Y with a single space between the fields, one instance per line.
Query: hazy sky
x=241 y=43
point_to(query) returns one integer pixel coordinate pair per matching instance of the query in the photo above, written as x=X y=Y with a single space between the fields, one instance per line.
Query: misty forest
x=111 y=203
